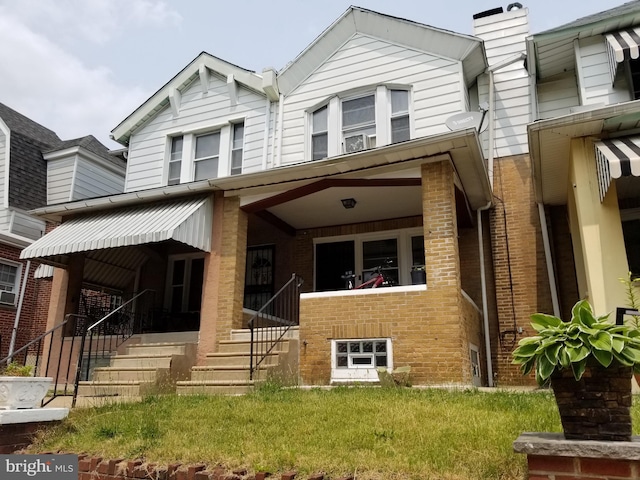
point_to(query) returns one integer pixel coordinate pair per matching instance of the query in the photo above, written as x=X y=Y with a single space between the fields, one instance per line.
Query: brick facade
x=522 y=285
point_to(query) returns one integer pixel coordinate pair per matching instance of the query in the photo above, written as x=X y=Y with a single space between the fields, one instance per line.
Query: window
x=357 y=359
x=476 y=373
x=399 y=116
x=634 y=78
x=236 y=148
x=351 y=123
x=207 y=156
x=184 y=283
x=175 y=160
x=9 y=282
x=319 y=136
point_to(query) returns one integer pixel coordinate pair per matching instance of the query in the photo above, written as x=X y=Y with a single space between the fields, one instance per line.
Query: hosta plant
x=562 y=345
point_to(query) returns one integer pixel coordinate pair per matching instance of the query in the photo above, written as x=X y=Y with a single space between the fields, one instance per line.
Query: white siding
x=365 y=62
x=198 y=111
x=4 y=155
x=59 y=178
x=95 y=181
x=504 y=35
x=555 y=98
x=27 y=226
x=594 y=74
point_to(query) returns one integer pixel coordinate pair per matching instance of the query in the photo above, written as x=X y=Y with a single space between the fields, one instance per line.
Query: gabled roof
x=160 y=99
x=91 y=144
x=445 y=43
x=24 y=126
x=553 y=51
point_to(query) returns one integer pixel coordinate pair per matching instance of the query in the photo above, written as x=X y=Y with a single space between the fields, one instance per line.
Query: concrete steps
x=226 y=372
x=143 y=369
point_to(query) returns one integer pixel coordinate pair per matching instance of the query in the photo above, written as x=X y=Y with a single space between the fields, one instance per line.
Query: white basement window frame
x=10 y=276
x=200 y=154
x=356 y=359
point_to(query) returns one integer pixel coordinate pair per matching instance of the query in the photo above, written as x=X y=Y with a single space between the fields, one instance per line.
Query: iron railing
x=272 y=322
x=101 y=337
x=54 y=345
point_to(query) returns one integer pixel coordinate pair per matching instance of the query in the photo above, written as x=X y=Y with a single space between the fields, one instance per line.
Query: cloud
x=46 y=83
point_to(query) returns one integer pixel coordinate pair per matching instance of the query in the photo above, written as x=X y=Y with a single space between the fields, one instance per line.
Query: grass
x=376 y=433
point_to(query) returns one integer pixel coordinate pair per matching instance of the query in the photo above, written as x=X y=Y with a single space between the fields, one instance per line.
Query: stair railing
x=272 y=322
x=102 y=337
x=52 y=343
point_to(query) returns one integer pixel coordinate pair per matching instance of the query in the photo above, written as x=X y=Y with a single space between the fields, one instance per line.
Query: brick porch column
x=223 y=281
x=442 y=265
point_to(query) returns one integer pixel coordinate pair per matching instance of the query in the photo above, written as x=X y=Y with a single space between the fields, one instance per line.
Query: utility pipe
x=485 y=307
x=547 y=255
x=16 y=322
x=267 y=122
x=278 y=162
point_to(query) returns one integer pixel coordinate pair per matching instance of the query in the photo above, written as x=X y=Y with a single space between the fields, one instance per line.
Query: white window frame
x=15 y=288
x=335 y=134
x=405 y=253
x=187 y=171
x=188 y=258
x=235 y=148
x=356 y=373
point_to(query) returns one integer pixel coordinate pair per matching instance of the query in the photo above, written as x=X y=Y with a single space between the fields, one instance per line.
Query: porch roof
x=184 y=220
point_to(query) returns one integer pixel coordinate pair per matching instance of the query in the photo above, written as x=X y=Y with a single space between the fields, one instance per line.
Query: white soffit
x=186 y=220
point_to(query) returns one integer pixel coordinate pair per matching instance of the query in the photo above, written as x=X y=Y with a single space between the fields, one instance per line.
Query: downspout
x=267 y=121
x=485 y=307
x=278 y=159
x=16 y=322
x=547 y=256
x=491 y=128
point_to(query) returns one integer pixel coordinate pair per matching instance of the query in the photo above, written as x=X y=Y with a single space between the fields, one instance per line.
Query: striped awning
x=187 y=220
x=619 y=157
x=622 y=45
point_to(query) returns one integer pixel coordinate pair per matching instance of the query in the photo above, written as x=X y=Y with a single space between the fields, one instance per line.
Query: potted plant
x=589 y=362
x=19 y=389
x=418 y=275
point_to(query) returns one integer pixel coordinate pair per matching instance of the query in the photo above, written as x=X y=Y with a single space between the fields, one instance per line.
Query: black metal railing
x=59 y=352
x=272 y=322
x=101 y=335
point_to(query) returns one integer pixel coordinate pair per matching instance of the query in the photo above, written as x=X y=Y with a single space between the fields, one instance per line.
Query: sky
x=80 y=67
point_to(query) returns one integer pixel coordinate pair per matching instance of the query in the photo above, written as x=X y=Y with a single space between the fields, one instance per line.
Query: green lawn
x=377 y=433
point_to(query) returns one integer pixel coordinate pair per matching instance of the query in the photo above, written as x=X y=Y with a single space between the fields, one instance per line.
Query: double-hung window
x=319 y=135
x=236 y=148
x=359 y=123
x=9 y=282
x=207 y=156
x=400 y=116
x=175 y=160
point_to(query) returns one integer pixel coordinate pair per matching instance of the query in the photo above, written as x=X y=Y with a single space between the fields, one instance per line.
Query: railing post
x=85 y=326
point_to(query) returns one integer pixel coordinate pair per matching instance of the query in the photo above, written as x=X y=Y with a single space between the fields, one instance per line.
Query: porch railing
x=272 y=322
x=101 y=336
x=59 y=352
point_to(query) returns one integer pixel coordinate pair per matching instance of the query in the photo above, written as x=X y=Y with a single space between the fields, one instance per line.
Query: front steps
x=227 y=371
x=143 y=369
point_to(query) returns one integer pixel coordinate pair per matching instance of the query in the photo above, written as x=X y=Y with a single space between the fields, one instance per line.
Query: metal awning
x=617 y=158
x=622 y=45
x=187 y=220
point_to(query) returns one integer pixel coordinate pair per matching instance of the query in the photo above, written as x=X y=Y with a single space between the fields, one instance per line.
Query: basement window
x=357 y=359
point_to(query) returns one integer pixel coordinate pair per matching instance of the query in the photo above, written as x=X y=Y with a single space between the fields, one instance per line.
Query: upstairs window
x=319 y=135
x=352 y=123
x=400 y=116
x=175 y=160
x=207 y=156
x=236 y=148
x=359 y=123
x=9 y=282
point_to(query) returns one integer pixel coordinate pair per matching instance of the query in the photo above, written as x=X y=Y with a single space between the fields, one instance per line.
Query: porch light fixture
x=348 y=202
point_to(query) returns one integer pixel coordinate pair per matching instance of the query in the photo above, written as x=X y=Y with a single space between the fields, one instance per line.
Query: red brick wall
x=572 y=468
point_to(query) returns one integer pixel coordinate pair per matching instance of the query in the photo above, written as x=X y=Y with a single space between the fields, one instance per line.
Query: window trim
x=17 y=281
x=354 y=373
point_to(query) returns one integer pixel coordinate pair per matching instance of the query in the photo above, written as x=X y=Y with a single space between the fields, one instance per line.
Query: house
x=354 y=157
x=584 y=150
x=37 y=168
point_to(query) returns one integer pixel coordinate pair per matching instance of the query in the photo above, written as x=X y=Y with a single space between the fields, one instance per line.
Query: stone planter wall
x=551 y=457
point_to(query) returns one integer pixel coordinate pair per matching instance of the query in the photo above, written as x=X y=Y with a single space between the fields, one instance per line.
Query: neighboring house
x=585 y=148
x=342 y=161
x=31 y=176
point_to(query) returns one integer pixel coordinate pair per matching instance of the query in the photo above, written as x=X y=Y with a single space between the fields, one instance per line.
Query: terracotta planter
x=23 y=392
x=598 y=406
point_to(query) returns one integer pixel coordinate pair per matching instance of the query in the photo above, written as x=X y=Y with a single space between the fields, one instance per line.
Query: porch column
x=598 y=229
x=224 y=268
x=444 y=331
